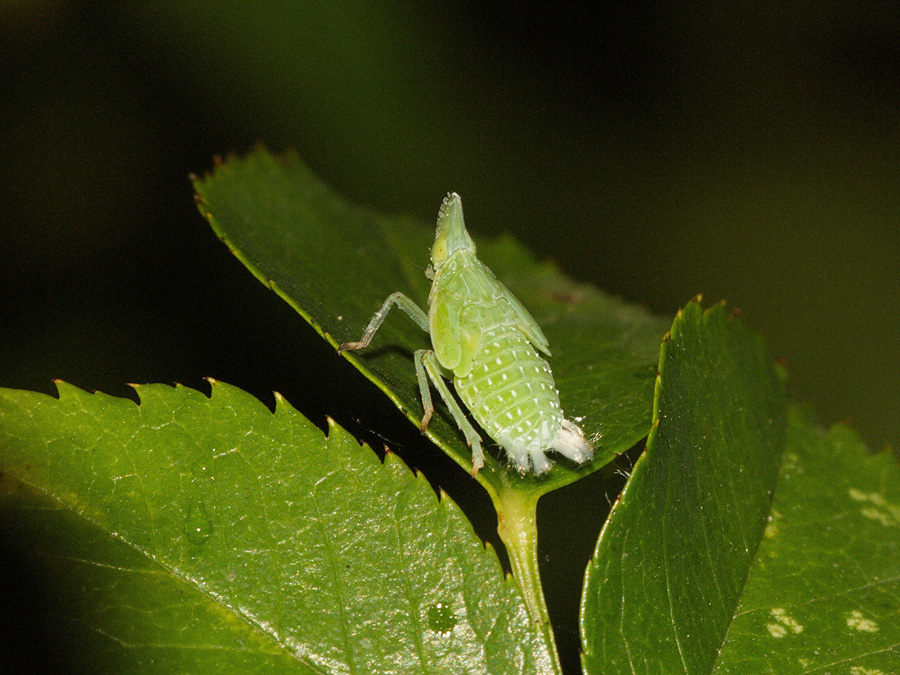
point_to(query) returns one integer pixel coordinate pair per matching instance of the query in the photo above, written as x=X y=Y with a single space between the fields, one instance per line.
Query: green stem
x=517 y=527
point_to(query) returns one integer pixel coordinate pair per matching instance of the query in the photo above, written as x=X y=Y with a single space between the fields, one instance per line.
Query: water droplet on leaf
x=441 y=618
x=198 y=526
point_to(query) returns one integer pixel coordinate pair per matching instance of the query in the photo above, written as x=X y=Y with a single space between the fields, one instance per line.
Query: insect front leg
x=427 y=363
x=412 y=309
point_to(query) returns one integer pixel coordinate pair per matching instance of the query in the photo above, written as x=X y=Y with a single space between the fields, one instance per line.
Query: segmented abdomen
x=511 y=392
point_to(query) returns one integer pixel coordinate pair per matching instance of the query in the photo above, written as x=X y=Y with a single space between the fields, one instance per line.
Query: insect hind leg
x=427 y=367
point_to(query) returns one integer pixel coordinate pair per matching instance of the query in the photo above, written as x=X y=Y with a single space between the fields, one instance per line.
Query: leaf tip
x=63 y=387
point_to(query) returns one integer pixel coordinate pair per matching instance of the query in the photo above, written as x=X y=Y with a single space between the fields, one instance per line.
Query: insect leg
x=430 y=365
x=424 y=388
x=404 y=303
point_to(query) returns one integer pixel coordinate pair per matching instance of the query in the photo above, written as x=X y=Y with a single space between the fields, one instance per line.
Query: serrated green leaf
x=673 y=558
x=824 y=592
x=675 y=566
x=282 y=550
x=335 y=264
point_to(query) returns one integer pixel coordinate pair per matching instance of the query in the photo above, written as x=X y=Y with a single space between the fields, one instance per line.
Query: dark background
x=742 y=151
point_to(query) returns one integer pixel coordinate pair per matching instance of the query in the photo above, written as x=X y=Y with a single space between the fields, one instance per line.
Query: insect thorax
x=465 y=277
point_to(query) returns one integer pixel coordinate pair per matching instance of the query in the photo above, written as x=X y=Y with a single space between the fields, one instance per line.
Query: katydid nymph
x=484 y=340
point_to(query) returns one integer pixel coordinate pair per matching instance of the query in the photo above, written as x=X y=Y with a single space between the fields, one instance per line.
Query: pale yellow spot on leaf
x=881 y=511
x=786 y=622
x=776 y=630
x=872 y=513
x=857 y=621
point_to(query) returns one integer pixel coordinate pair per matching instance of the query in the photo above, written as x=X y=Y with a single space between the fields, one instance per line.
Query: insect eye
x=438 y=253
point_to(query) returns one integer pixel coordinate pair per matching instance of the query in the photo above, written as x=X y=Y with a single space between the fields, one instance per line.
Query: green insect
x=486 y=342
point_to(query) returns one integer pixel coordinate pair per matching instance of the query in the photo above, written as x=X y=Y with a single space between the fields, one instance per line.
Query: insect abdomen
x=511 y=392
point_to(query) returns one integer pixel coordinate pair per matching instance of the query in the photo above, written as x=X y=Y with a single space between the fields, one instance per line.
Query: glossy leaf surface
x=673 y=558
x=697 y=572
x=824 y=591
x=211 y=535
